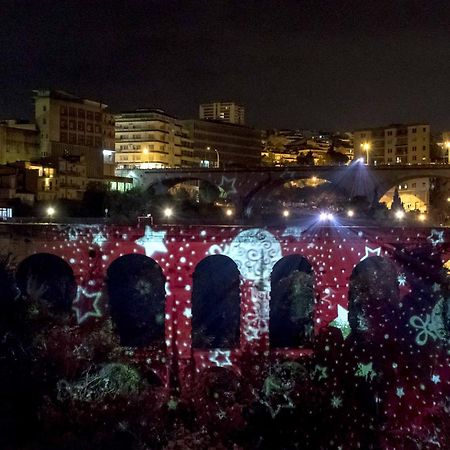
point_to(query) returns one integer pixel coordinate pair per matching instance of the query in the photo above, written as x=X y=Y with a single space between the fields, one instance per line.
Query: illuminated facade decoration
x=152 y=139
x=224 y=111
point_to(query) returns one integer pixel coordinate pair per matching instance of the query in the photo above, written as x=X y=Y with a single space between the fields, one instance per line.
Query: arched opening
x=188 y=199
x=47 y=278
x=414 y=194
x=215 y=303
x=301 y=196
x=136 y=291
x=373 y=293
x=292 y=302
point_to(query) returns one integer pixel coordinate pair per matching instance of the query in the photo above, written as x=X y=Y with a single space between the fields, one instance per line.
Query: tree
x=306 y=160
x=335 y=158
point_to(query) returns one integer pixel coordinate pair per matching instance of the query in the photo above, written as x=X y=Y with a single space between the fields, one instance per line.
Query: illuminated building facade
x=69 y=125
x=398 y=144
x=151 y=139
x=229 y=112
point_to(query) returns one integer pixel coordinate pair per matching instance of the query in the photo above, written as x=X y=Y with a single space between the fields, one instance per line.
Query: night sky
x=299 y=64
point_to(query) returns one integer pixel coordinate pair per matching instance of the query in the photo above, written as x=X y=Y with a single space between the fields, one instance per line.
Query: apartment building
x=398 y=144
x=70 y=125
x=19 y=141
x=229 y=112
x=394 y=144
x=151 y=139
x=221 y=144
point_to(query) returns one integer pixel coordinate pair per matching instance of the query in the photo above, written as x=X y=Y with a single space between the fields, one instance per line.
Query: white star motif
x=221 y=358
x=167 y=289
x=436 y=379
x=187 y=313
x=369 y=251
x=436 y=237
x=401 y=279
x=341 y=321
x=399 y=392
x=82 y=315
x=152 y=241
x=227 y=185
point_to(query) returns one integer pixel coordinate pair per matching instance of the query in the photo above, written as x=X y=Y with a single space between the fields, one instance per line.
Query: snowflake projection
x=256 y=321
x=86 y=304
x=98 y=238
x=401 y=279
x=172 y=403
x=371 y=252
x=399 y=392
x=336 y=401
x=341 y=321
x=152 y=241
x=228 y=185
x=432 y=326
x=221 y=358
x=435 y=378
x=365 y=371
x=167 y=288
x=436 y=237
x=187 y=313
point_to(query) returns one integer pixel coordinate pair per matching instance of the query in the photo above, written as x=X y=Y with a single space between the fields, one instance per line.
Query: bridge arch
x=291 y=302
x=47 y=278
x=373 y=295
x=216 y=303
x=136 y=294
x=266 y=189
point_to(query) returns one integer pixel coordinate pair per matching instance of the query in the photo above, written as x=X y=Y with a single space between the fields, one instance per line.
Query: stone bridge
x=103 y=260
x=243 y=186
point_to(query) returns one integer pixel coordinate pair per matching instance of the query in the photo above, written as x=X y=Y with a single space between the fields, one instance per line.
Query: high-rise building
x=151 y=139
x=229 y=112
x=394 y=144
x=219 y=144
x=398 y=144
x=69 y=125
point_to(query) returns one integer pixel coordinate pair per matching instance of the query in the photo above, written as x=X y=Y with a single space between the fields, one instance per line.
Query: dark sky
x=301 y=64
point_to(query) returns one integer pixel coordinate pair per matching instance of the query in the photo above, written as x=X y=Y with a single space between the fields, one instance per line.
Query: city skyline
x=337 y=66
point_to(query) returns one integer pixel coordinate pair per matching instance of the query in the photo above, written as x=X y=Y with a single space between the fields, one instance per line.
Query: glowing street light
x=422 y=217
x=229 y=212
x=168 y=212
x=350 y=213
x=51 y=211
x=399 y=214
x=286 y=213
x=366 y=147
x=325 y=216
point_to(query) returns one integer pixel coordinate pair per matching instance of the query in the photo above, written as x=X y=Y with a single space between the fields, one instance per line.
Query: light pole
x=218 y=158
x=447 y=146
x=366 y=146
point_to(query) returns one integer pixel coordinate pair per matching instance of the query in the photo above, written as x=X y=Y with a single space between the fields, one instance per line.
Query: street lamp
x=51 y=212
x=366 y=147
x=218 y=158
